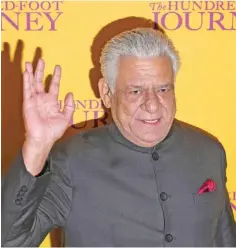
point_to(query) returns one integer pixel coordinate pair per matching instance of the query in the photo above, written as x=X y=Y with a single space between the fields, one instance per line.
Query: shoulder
x=199 y=138
x=202 y=146
x=83 y=141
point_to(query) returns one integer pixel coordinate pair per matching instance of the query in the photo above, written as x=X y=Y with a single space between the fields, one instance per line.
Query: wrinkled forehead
x=141 y=80
x=138 y=71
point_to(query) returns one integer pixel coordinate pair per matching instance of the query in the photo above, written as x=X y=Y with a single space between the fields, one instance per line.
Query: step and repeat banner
x=72 y=34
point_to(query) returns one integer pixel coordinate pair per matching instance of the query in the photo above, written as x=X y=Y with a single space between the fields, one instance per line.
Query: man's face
x=143 y=105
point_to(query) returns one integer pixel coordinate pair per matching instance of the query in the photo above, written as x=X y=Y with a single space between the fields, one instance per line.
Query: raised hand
x=43 y=120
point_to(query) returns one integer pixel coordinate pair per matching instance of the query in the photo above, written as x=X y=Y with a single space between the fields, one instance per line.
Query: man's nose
x=151 y=102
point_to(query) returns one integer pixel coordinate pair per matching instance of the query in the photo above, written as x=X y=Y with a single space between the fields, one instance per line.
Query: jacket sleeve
x=33 y=206
x=226 y=233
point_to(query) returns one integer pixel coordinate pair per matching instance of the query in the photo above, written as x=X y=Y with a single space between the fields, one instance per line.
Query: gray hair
x=139 y=42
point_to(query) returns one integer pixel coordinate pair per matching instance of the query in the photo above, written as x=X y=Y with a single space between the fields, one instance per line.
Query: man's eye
x=136 y=92
x=163 y=90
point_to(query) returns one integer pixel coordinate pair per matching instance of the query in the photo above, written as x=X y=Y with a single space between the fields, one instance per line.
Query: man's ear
x=105 y=92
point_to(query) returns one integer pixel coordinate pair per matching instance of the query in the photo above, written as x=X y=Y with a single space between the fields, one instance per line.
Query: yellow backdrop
x=72 y=33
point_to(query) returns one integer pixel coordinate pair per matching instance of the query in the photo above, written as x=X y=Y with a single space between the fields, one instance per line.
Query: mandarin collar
x=118 y=137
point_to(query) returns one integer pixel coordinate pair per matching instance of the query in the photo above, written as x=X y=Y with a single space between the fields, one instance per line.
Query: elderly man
x=144 y=180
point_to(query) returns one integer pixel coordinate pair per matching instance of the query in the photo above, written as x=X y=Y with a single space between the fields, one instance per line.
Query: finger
x=39 y=74
x=69 y=107
x=29 y=69
x=55 y=83
x=26 y=86
x=37 y=56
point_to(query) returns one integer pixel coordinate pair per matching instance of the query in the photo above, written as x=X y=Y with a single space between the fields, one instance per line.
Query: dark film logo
x=30 y=15
x=93 y=114
x=195 y=15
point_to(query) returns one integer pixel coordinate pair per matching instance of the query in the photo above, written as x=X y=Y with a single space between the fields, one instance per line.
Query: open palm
x=43 y=119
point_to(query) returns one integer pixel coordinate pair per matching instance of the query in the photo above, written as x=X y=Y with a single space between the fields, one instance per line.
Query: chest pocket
x=209 y=205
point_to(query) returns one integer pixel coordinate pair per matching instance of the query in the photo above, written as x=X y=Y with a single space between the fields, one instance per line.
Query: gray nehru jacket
x=106 y=191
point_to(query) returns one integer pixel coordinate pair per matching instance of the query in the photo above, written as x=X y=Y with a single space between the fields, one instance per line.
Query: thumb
x=69 y=106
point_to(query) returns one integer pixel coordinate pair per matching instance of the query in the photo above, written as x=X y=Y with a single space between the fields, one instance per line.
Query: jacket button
x=20 y=193
x=168 y=237
x=24 y=188
x=18 y=202
x=163 y=196
x=155 y=156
